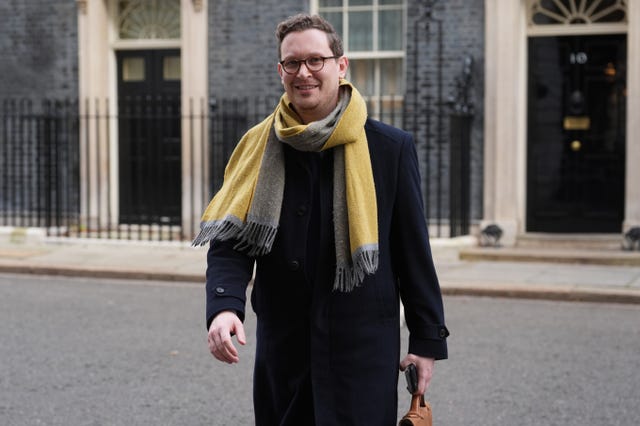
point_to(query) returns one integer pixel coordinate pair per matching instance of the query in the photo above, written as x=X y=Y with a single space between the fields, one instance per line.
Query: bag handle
x=417 y=401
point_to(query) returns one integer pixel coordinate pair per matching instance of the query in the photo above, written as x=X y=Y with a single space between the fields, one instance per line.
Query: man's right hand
x=222 y=327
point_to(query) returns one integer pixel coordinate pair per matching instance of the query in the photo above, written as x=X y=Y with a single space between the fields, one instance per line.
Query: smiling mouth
x=306 y=86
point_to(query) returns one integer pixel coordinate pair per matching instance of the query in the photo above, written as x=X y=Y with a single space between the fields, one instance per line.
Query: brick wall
x=462 y=33
x=38 y=41
x=243 y=59
x=243 y=48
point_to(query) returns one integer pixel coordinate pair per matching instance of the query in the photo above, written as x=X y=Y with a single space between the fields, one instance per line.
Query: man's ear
x=343 y=64
x=281 y=73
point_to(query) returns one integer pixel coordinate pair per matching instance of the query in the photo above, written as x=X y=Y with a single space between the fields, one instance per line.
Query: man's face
x=314 y=94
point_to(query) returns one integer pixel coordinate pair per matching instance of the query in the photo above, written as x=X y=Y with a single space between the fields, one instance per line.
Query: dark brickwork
x=39 y=45
x=242 y=63
x=243 y=48
x=436 y=54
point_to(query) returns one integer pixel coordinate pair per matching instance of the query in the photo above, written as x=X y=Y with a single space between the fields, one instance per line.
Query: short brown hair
x=303 y=22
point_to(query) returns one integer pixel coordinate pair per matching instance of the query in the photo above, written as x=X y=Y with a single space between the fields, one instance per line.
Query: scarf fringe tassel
x=349 y=277
x=219 y=229
x=254 y=238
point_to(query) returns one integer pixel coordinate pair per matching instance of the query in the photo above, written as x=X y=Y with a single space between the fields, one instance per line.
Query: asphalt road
x=110 y=352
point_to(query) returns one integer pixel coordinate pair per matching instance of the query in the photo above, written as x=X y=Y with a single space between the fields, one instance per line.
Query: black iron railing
x=141 y=171
x=39 y=163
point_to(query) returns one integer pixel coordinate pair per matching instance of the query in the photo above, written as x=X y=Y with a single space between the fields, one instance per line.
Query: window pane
x=171 y=68
x=335 y=19
x=329 y=3
x=389 y=2
x=391 y=111
x=362 y=76
x=390 y=30
x=391 y=77
x=360 y=31
x=133 y=69
x=360 y=2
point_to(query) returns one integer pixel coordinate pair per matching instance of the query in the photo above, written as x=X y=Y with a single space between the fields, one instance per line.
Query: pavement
x=594 y=275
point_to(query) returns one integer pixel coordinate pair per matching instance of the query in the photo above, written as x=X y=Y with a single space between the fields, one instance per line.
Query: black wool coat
x=324 y=357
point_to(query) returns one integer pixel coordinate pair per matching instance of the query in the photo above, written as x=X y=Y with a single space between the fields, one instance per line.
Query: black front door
x=149 y=135
x=576 y=133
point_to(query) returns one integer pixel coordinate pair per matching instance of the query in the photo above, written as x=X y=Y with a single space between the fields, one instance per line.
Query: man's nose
x=306 y=70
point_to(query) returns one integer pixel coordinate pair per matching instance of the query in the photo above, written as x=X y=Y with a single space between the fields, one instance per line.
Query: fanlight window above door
x=547 y=17
x=149 y=19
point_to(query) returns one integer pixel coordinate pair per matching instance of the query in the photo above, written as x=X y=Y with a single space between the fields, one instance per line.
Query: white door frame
x=505 y=119
x=97 y=76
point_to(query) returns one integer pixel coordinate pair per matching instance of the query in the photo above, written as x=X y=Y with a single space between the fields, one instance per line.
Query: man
x=327 y=204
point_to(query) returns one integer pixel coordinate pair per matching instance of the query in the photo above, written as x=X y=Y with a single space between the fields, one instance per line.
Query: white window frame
x=376 y=99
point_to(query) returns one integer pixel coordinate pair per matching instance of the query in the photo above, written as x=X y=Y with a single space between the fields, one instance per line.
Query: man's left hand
x=424 y=366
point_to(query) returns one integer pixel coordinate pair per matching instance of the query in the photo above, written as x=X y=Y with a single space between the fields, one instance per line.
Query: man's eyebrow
x=310 y=55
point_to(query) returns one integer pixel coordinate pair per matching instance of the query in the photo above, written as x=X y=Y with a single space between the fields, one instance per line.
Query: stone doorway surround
x=505 y=136
x=97 y=74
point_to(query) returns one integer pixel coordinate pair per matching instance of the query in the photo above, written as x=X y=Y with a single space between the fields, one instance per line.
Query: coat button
x=443 y=332
x=220 y=290
x=302 y=210
x=294 y=265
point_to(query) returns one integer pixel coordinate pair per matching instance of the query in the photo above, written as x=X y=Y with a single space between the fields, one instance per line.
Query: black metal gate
x=439 y=112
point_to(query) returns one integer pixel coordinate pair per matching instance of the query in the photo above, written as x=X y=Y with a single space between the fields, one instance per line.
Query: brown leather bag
x=419 y=414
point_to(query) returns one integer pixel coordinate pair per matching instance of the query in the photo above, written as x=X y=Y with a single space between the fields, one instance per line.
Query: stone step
x=595 y=249
x=570 y=241
x=549 y=255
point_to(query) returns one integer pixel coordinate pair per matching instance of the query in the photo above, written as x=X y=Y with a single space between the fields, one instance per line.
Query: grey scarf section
x=350 y=271
x=263 y=217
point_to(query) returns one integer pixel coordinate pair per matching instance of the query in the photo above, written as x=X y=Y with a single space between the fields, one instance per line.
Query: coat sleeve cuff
x=430 y=347
x=225 y=298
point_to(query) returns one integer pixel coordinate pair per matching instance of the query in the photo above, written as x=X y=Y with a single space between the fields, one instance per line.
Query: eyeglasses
x=314 y=63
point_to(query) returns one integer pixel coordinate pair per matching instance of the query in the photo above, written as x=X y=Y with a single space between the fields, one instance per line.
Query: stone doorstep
x=570 y=293
x=609 y=257
x=535 y=240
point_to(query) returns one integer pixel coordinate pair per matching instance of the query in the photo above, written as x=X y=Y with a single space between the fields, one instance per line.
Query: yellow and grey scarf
x=247 y=207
